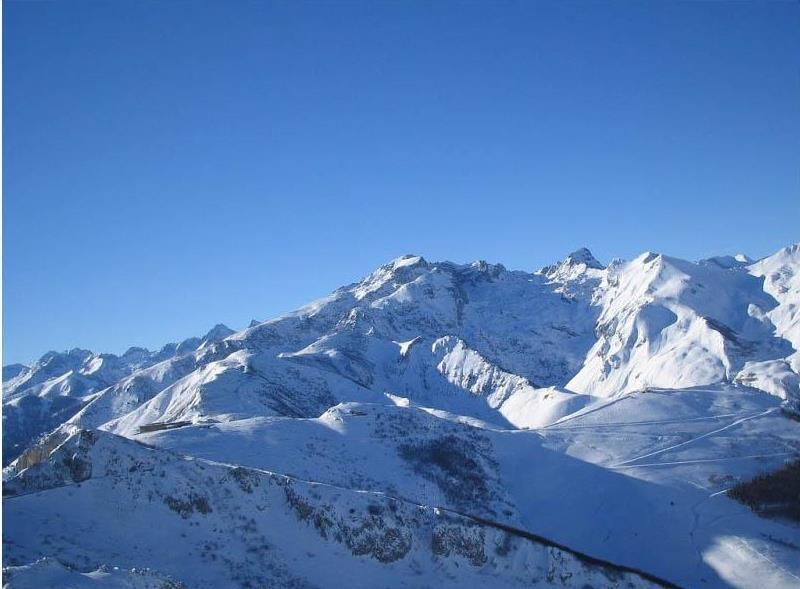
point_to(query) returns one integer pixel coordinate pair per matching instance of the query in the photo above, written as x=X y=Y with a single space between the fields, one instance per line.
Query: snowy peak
x=406 y=261
x=136 y=353
x=780 y=270
x=219 y=332
x=397 y=271
x=579 y=263
x=54 y=361
x=50 y=365
x=585 y=257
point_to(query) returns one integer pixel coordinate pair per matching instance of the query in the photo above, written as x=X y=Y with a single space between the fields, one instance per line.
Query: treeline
x=776 y=494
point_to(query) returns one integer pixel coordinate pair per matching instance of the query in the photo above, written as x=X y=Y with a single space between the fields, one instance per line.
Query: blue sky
x=170 y=165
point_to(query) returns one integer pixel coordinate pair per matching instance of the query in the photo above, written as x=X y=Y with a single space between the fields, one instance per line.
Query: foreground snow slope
x=610 y=510
x=220 y=525
x=604 y=410
x=420 y=458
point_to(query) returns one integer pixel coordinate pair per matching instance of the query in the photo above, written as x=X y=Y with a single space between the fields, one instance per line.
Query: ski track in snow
x=693 y=440
x=619 y=424
x=706 y=460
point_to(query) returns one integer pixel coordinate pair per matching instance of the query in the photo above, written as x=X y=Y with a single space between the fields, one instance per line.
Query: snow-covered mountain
x=670 y=323
x=434 y=423
x=40 y=397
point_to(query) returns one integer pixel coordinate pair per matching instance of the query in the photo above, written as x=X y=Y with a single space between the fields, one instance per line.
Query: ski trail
x=706 y=435
x=587 y=411
x=702 y=460
x=616 y=424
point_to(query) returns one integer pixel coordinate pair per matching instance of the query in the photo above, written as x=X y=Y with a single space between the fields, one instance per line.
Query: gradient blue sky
x=170 y=165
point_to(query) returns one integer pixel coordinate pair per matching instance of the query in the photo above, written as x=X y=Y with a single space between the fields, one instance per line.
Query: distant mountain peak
x=219 y=332
x=575 y=263
x=406 y=261
x=135 y=350
x=12 y=370
x=73 y=355
x=584 y=256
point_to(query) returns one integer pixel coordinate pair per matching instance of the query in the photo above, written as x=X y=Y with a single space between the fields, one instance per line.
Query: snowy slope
x=622 y=510
x=416 y=456
x=221 y=525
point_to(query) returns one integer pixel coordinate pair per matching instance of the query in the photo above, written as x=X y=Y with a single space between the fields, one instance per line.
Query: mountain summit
x=585 y=257
x=573 y=266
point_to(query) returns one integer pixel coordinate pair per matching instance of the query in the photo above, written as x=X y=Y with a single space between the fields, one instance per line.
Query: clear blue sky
x=168 y=165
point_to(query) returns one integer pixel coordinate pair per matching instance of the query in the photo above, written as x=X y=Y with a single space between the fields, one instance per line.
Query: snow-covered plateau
x=433 y=425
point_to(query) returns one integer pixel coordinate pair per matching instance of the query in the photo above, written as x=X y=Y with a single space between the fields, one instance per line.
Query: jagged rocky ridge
x=430 y=367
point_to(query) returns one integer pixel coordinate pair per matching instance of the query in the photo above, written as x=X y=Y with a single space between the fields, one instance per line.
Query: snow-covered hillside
x=434 y=423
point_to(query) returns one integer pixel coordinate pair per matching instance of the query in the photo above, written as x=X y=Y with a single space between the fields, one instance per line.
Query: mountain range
x=435 y=424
